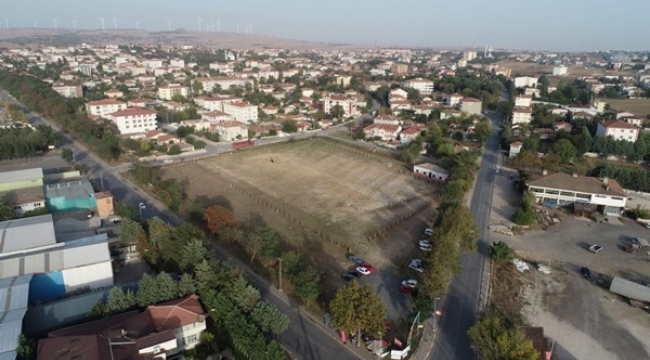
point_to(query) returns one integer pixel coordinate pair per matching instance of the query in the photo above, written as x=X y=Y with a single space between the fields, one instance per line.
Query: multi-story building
x=560 y=70
x=68 y=90
x=452 y=100
x=523 y=101
x=384 y=132
x=521 y=115
x=332 y=100
x=221 y=82
x=104 y=107
x=231 y=130
x=525 y=81
x=168 y=92
x=216 y=103
x=618 y=129
x=469 y=55
x=386 y=120
x=134 y=121
x=241 y=111
x=471 y=106
x=423 y=86
x=399 y=69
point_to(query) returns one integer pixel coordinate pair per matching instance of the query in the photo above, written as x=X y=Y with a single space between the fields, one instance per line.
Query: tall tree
x=482 y=130
x=217 y=218
x=565 y=150
x=307 y=284
x=130 y=232
x=167 y=287
x=147 y=291
x=356 y=308
x=186 y=285
x=118 y=301
x=493 y=338
x=192 y=253
x=67 y=155
x=263 y=241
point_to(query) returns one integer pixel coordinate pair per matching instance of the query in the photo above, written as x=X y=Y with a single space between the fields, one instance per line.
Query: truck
x=242 y=144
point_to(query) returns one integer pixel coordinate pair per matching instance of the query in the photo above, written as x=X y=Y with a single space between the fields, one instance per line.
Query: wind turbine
x=7 y=23
x=169 y=26
x=55 y=25
x=137 y=25
x=200 y=21
x=114 y=23
x=35 y=24
x=250 y=28
x=102 y=20
x=218 y=25
x=74 y=22
x=237 y=28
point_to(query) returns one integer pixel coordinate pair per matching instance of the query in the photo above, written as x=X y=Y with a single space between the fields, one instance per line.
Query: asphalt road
x=461 y=304
x=304 y=339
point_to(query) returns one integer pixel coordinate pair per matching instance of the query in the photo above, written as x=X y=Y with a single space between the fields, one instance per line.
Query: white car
x=424 y=242
x=410 y=283
x=363 y=270
x=416 y=264
x=428 y=231
x=425 y=246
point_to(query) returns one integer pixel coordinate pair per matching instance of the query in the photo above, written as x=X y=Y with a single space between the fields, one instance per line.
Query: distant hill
x=66 y=37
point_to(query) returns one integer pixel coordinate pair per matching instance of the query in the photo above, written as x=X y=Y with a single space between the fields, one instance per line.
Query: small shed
x=630 y=289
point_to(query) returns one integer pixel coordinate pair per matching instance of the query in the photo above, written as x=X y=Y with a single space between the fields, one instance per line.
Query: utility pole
x=101 y=179
x=280 y=274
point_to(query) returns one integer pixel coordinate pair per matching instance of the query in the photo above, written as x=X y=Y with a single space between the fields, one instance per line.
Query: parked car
x=425 y=245
x=416 y=264
x=406 y=290
x=355 y=259
x=595 y=248
x=428 y=231
x=585 y=272
x=355 y=273
x=410 y=283
x=348 y=276
x=363 y=270
x=369 y=267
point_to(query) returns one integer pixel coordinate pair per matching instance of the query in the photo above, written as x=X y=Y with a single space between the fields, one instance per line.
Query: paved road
x=461 y=304
x=304 y=339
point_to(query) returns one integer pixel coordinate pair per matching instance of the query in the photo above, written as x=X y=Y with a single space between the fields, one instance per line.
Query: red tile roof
x=470 y=99
x=134 y=112
x=618 y=124
x=176 y=313
x=104 y=102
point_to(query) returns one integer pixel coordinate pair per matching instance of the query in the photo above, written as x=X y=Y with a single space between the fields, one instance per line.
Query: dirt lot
x=636 y=106
x=526 y=68
x=325 y=199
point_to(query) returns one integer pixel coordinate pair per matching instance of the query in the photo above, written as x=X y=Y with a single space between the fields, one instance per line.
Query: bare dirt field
x=527 y=68
x=325 y=198
x=636 y=106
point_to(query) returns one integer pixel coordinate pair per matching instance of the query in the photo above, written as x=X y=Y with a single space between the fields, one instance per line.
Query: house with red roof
x=471 y=106
x=134 y=122
x=618 y=129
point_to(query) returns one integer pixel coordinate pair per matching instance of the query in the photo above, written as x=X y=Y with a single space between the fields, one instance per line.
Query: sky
x=557 y=25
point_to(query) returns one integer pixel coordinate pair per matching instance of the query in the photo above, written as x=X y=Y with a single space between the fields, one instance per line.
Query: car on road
x=355 y=259
x=425 y=245
x=416 y=264
x=511 y=177
x=370 y=268
x=410 y=283
x=428 y=231
x=406 y=290
x=363 y=270
x=348 y=276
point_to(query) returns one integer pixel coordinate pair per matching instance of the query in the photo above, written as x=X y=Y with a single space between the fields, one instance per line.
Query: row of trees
x=628 y=177
x=38 y=96
x=21 y=142
x=170 y=191
x=264 y=243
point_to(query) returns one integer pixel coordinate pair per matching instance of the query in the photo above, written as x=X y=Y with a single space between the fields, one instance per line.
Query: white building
x=384 y=132
x=231 y=130
x=104 y=107
x=430 y=171
x=69 y=91
x=216 y=103
x=453 y=99
x=521 y=115
x=560 y=70
x=348 y=104
x=386 y=120
x=168 y=92
x=409 y=134
x=221 y=82
x=525 y=81
x=515 y=149
x=562 y=189
x=134 y=121
x=523 y=101
x=618 y=129
x=241 y=111
x=421 y=85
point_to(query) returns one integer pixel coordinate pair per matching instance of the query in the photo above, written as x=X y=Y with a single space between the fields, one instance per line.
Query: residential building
x=618 y=129
x=521 y=115
x=386 y=120
x=216 y=103
x=529 y=91
x=471 y=106
x=399 y=69
x=332 y=100
x=383 y=132
x=398 y=93
x=523 y=101
x=134 y=121
x=452 y=100
x=515 y=149
x=449 y=113
x=423 y=86
x=343 y=80
x=241 y=111
x=223 y=82
x=168 y=92
x=561 y=189
x=430 y=171
x=560 y=70
x=113 y=94
x=161 y=331
x=469 y=55
x=231 y=130
x=68 y=90
x=525 y=81
x=409 y=134
x=637 y=121
x=103 y=108
x=216 y=116
x=59 y=267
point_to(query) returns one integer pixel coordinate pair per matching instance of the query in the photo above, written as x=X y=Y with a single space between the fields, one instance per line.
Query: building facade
x=105 y=107
x=241 y=111
x=421 y=85
x=471 y=106
x=430 y=171
x=618 y=129
x=134 y=120
x=69 y=91
x=168 y=92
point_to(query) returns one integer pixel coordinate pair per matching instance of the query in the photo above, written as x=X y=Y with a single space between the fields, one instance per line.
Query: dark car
x=585 y=272
x=348 y=277
x=355 y=274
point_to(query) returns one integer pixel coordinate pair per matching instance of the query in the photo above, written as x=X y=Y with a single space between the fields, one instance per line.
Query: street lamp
x=437 y=313
x=141 y=206
x=101 y=179
x=280 y=274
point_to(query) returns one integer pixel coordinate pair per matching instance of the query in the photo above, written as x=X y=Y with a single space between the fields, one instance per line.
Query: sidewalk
x=427 y=341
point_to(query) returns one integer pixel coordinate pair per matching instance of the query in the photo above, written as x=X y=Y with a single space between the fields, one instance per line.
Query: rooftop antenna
x=55 y=25
x=102 y=20
x=74 y=22
x=200 y=21
x=114 y=23
x=137 y=25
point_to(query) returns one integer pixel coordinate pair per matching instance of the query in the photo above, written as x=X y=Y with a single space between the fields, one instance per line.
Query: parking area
x=505 y=198
x=586 y=320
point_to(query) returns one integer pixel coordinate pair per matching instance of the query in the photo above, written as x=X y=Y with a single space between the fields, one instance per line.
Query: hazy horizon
x=551 y=25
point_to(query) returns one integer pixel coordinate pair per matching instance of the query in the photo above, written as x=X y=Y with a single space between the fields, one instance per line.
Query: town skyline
x=474 y=25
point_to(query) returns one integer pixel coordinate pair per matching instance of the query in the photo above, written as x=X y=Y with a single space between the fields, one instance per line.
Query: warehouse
x=21 y=179
x=71 y=195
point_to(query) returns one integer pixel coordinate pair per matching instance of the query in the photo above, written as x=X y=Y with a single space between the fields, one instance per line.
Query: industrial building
x=29 y=246
x=13 y=306
x=71 y=195
x=21 y=179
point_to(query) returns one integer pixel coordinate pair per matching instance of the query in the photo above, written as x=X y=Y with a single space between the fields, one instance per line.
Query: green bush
x=500 y=251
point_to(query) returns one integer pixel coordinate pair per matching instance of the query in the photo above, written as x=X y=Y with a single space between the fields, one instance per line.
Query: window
x=191 y=339
x=617 y=198
x=552 y=192
x=601 y=196
x=583 y=196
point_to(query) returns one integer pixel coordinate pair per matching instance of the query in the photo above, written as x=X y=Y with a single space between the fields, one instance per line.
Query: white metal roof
x=20 y=175
x=630 y=289
x=13 y=306
x=26 y=233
